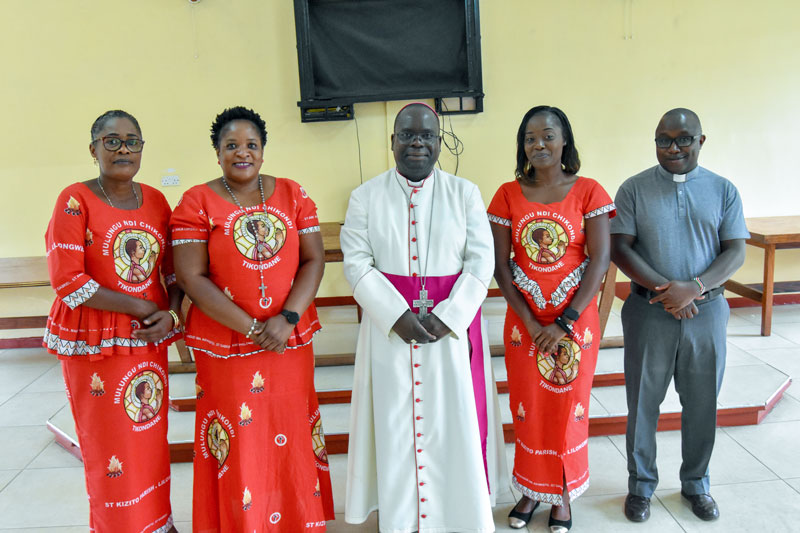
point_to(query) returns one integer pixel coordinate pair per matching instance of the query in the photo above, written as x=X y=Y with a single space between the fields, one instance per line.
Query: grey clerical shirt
x=679 y=225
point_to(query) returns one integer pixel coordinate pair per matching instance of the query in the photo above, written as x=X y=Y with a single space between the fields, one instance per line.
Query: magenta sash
x=439 y=288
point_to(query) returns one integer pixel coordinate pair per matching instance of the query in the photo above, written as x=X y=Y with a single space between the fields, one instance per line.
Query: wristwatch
x=563 y=325
x=291 y=317
x=571 y=314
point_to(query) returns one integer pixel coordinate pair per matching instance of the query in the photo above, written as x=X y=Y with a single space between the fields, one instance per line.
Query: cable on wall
x=450 y=140
x=358 y=141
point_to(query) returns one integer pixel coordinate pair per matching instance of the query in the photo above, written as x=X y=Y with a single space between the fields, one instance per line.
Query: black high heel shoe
x=518 y=520
x=560 y=526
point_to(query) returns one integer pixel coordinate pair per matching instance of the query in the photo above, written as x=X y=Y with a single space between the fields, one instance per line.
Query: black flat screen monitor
x=380 y=50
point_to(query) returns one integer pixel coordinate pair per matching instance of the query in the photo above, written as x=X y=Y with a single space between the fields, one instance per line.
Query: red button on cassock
x=416 y=365
x=421 y=483
x=419 y=450
x=423 y=499
x=413 y=274
x=417 y=383
x=419 y=434
x=411 y=206
x=413 y=222
x=416 y=347
x=413 y=239
x=424 y=516
x=419 y=418
x=417 y=400
x=414 y=258
x=421 y=467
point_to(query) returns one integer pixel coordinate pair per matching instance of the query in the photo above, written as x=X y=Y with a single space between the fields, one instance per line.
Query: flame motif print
x=516 y=337
x=247 y=500
x=246 y=415
x=587 y=339
x=257 y=384
x=73 y=207
x=97 y=386
x=579 y=413
x=114 y=467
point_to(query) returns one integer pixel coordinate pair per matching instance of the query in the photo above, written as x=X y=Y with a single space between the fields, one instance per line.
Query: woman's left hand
x=276 y=332
x=156 y=327
x=548 y=337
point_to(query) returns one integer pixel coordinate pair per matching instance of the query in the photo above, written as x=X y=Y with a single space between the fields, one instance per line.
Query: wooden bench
x=769 y=233
x=23 y=272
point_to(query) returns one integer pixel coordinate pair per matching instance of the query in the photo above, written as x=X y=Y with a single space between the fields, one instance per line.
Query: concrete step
x=748 y=395
x=334 y=379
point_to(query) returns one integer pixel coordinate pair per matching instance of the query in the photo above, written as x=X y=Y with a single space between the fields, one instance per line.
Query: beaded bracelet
x=700 y=284
x=252 y=328
x=175 y=319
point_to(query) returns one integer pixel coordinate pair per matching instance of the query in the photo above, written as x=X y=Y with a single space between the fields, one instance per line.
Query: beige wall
x=613 y=65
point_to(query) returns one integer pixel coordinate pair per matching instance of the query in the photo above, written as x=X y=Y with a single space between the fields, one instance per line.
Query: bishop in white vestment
x=426 y=446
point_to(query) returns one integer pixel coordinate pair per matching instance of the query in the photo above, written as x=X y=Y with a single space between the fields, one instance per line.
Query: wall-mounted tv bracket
x=459 y=105
x=327 y=113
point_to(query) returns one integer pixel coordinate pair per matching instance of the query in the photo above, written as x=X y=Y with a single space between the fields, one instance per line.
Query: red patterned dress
x=260 y=459
x=117 y=385
x=549 y=393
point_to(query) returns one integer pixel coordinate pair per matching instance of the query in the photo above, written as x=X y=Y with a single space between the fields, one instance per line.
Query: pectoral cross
x=423 y=303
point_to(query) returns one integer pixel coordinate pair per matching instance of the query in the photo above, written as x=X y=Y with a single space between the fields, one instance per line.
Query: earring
x=95 y=161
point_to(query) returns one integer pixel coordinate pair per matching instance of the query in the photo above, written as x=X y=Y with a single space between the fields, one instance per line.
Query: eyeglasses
x=683 y=141
x=112 y=144
x=409 y=136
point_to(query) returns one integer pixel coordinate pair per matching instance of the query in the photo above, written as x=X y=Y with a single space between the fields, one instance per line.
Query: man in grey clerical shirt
x=678 y=235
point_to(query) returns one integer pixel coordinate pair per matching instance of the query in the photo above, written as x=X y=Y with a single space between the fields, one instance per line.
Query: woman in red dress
x=260 y=461
x=108 y=249
x=551 y=234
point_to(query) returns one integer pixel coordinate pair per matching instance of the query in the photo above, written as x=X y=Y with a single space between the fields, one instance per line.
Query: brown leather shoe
x=703 y=506
x=637 y=508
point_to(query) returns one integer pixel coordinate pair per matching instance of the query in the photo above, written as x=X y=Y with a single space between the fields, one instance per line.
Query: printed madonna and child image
x=136 y=253
x=260 y=237
x=144 y=396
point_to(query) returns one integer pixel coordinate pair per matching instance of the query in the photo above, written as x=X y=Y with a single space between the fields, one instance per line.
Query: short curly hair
x=100 y=122
x=237 y=113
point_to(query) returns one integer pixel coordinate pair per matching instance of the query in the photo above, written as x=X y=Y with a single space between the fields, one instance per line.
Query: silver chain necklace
x=264 y=302
x=423 y=303
x=100 y=184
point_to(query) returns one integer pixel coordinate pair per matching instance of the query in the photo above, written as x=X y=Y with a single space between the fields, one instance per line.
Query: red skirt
x=260 y=459
x=118 y=404
x=549 y=397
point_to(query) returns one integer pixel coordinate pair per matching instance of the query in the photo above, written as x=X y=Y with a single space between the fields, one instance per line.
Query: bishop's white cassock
x=415 y=448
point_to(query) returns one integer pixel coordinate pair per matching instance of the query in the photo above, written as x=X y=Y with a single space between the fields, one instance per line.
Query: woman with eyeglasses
x=249 y=253
x=551 y=237
x=108 y=250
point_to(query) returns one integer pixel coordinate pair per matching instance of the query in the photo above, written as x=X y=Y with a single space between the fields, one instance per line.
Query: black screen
x=366 y=50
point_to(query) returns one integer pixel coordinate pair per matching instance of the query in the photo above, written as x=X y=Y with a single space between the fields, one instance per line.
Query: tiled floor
x=755 y=469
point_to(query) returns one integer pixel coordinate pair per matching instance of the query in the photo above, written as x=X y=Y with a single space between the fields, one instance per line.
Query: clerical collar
x=678 y=178
x=420 y=183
